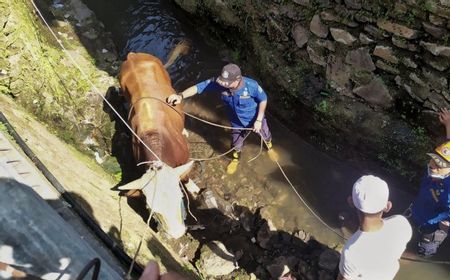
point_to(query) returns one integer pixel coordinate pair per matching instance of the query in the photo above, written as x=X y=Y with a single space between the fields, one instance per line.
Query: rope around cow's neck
x=188 y=114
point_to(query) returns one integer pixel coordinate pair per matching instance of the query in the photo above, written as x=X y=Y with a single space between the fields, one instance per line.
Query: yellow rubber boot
x=233 y=165
x=273 y=155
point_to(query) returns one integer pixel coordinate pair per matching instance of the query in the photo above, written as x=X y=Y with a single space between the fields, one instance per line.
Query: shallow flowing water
x=155 y=27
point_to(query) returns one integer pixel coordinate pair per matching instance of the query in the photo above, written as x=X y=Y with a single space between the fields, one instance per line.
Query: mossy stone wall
x=364 y=79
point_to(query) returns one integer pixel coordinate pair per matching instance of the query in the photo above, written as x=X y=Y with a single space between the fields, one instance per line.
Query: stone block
x=300 y=35
x=435 y=49
x=385 y=53
x=403 y=44
x=364 y=17
x=408 y=62
x=445 y=3
x=318 y=28
x=433 y=7
x=375 y=92
x=400 y=8
x=419 y=92
x=437 y=101
x=435 y=79
x=386 y=67
x=305 y=3
x=398 y=29
x=438 y=63
x=435 y=31
x=414 y=77
x=329 y=16
x=361 y=77
x=353 y=4
x=365 y=40
x=360 y=59
x=327 y=44
x=315 y=57
x=375 y=32
x=342 y=36
x=436 y=20
x=216 y=260
x=338 y=73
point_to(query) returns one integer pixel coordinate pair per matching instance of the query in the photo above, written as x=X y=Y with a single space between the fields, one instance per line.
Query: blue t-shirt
x=242 y=103
x=432 y=204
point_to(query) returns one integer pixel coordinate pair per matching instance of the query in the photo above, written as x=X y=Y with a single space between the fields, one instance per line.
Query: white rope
x=86 y=77
x=188 y=203
x=301 y=198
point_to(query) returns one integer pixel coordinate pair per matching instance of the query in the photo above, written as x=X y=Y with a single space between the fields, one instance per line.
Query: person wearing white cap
x=374 y=250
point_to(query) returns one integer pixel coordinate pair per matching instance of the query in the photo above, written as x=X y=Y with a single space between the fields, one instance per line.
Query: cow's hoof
x=130 y=193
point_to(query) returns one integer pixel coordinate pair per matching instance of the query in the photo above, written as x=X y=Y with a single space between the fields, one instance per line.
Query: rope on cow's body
x=86 y=77
x=199 y=119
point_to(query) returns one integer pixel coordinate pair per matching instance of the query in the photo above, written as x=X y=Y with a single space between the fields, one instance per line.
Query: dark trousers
x=431 y=237
x=237 y=136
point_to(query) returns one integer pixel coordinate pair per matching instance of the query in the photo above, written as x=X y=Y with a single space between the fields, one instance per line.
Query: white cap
x=370 y=194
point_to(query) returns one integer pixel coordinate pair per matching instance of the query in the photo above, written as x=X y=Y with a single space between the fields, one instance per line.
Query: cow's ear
x=182 y=170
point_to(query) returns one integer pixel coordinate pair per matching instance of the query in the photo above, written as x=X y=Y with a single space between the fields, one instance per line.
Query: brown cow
x=146 y=84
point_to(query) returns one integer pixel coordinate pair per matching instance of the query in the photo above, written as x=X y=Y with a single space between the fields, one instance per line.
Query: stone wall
x=367 y=76
x=38 y=75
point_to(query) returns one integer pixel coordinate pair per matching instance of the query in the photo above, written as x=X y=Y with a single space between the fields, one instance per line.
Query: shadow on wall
x=35 y=240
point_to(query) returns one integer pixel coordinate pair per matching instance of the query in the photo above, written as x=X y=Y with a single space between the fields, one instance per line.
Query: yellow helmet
x=442 y=155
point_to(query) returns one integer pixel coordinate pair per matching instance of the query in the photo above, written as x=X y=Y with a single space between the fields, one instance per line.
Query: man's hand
x=257 y=126
x=444 y=225
x=174 y=99
x=151 y=272
x=444 y=116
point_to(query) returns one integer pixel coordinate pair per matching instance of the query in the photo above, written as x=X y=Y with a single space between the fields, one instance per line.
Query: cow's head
x=163 y=195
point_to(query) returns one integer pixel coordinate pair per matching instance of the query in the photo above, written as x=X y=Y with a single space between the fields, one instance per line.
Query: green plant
x=236 y=55
x=323 y=107
x=3 y=128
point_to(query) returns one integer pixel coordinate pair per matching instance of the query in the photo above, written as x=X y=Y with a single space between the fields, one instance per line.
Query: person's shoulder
x=353 y=239
x=209 y=81
x=249 y=82
x=398 y=223
x=396 y=219
x=253 y=85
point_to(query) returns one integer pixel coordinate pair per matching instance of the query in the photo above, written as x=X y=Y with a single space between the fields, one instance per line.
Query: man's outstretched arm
x=177 y=98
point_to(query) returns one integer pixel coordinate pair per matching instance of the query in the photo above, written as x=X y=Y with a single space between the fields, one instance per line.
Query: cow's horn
x=140 y=183
x=184 y=169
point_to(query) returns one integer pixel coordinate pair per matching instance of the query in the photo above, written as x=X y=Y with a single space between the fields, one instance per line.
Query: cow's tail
x=180 y=49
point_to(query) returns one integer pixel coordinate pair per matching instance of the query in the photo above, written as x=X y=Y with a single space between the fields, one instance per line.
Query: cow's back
x=146 y=85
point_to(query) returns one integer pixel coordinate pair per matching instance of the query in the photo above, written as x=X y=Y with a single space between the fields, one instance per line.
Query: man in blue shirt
x=431 y=210
x=246 y=105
